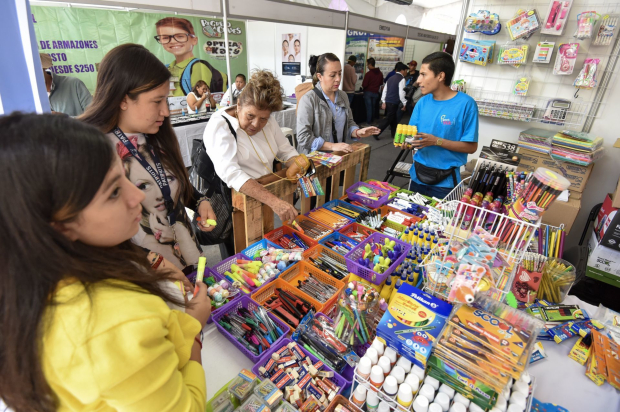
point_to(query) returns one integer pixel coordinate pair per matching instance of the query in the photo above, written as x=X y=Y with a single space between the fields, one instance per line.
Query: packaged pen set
x=317 y=334
x=483 y=347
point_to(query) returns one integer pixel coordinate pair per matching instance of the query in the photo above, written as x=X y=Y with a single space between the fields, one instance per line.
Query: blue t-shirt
x=454 y=119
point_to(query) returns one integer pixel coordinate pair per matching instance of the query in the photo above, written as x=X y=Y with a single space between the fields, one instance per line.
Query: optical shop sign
x=77 y=39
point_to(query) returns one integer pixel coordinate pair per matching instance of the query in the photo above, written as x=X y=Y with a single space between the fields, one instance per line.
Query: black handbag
x=431 y=176
x=203 y=177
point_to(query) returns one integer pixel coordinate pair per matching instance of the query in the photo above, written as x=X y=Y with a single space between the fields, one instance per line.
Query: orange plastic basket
x=275 y=235
x=387 y=209
x=341 y=400
x=356 y=228
x=263 y=294
x=300 y=218
x=303 y=270
x=319 y=250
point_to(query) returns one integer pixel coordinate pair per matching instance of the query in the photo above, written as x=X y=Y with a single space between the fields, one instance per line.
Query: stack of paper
x=536 y=139
x=327 y=159
x=576 y=147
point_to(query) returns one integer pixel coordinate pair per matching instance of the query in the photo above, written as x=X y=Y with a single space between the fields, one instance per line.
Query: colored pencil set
x=328 y=218
x=550 y=241
x=543 y=187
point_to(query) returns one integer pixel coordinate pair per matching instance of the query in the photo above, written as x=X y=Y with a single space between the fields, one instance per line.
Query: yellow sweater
x=124 y=351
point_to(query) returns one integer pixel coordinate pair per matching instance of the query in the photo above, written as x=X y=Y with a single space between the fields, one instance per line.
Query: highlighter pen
x=202 y=263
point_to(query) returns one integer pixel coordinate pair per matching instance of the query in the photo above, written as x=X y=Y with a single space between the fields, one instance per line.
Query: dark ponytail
x=321 y=63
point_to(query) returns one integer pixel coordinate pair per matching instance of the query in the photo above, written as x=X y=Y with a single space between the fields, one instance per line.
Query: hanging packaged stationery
x=521 y=86
x=523 y=25
x=512 y=54
x=587 y=76
x=585 y=24
x=459 y=85
x=478 y=52
x=557 y=15
x=544 y=51
x=483 y=22
x=605 y=30
x=565 y=59
x=309 y=183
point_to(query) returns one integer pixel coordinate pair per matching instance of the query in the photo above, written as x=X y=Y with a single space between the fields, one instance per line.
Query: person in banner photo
x=285 y=52
x=177 y=36
x=297 y=48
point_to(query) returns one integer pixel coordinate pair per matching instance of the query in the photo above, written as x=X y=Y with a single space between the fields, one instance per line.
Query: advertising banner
x=192 y=47
x=357 y=45
x=387 y=51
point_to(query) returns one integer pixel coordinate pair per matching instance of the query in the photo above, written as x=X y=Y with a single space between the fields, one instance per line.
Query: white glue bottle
x=372 y=401
x=405 y=395
x=359 y=396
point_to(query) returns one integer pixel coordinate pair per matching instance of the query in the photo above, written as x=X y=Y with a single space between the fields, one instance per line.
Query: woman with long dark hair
x=85 y=321
x=130 y=105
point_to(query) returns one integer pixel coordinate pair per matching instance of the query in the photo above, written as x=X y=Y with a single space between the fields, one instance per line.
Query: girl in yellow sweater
x=84 y=318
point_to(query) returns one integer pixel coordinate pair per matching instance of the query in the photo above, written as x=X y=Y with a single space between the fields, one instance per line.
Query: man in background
x=373 y=80
x=349 y=78
x=230 y=97
x=393 y=99
x=410 y=85
x=67 y=95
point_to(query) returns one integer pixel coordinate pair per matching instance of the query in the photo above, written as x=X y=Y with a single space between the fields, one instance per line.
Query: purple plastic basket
x=337 y=379
x=369 y=274
x=224 y=266
x=209 y=272
x=373 y=204
x=247 y=303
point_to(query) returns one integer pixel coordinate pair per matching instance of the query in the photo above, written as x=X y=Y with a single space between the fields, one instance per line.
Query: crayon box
x=412 y=322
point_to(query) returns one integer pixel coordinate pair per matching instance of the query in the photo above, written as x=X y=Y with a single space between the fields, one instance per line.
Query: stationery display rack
x=550 y=98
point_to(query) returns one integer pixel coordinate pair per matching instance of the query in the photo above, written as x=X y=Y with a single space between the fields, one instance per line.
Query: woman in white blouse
x=238 y=162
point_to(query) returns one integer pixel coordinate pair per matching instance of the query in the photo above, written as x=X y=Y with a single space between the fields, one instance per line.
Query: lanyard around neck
x=158 y=174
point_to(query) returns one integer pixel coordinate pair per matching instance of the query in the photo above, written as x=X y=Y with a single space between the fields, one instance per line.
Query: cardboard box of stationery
x=577 y=175
x=603 y=262
x=563 y=212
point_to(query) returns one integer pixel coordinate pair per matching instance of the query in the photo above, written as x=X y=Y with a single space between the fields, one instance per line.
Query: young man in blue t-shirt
x=447 y=123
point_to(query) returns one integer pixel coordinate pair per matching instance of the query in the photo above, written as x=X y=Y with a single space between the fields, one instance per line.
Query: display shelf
x=461 y=219
x=492 y=85
x=527 y=109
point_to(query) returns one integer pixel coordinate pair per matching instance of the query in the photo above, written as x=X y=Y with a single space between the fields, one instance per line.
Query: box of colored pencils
x=328 y=218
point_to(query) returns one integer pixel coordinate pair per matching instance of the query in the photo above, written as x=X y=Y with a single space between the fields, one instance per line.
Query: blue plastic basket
x=369 y=274
x=337 y=202
x=251 y=250
x=247 y=303
x=335 y=237
x=337 y=379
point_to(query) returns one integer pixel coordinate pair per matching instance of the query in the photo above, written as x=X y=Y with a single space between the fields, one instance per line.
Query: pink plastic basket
x=369 y=274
